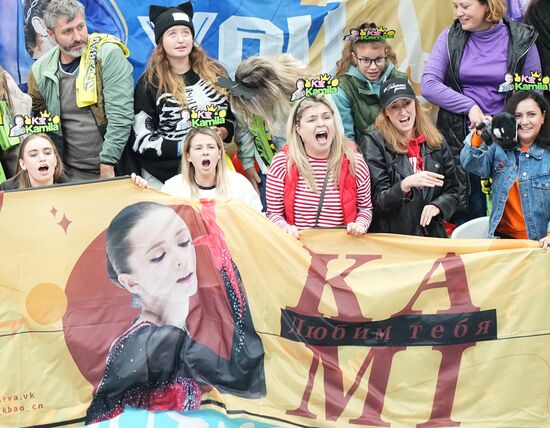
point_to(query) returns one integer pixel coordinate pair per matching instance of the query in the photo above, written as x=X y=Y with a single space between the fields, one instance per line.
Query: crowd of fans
x=368 y=158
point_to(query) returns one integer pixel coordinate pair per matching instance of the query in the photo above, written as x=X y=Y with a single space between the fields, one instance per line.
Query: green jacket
x=357 y=99
x=255 y=142
x=115 y=96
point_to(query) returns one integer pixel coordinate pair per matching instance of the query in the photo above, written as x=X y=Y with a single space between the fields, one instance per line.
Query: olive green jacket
x=114 y=110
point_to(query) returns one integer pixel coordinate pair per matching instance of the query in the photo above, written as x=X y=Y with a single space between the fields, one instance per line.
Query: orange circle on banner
x=46 y=303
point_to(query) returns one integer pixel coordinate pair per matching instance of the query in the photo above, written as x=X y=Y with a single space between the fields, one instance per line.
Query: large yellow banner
x=113 y=296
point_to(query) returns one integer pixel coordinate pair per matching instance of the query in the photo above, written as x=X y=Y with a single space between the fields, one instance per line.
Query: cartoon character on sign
x=19 y=127
x=185 y=121
x=508 y=84
x=156 y=364
x=353 y=34
x=300 y=91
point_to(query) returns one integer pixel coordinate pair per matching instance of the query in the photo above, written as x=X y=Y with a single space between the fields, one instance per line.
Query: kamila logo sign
x=325 y=84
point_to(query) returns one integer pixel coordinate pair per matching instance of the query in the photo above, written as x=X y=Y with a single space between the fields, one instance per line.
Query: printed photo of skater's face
x=153 y=257
x=19 y=120
x=185 y=115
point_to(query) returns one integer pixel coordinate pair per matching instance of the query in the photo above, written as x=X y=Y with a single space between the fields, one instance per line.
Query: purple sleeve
x=532 y=62
x=432 y=87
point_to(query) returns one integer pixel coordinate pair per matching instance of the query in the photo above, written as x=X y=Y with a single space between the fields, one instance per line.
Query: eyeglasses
x=366 y=62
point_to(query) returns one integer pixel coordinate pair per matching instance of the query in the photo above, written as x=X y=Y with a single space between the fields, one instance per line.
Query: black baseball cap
x=395 y=89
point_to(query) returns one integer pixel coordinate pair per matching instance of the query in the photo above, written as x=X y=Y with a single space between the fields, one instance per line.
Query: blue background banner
x=232 y=30
x=229 y=31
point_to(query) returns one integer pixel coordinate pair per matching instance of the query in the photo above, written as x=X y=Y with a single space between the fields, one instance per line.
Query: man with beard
x=87 y=80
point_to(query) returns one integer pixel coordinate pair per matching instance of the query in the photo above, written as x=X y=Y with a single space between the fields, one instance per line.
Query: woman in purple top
x=467 y=64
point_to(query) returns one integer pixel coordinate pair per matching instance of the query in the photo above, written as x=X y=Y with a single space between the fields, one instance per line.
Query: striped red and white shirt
x=307 y=202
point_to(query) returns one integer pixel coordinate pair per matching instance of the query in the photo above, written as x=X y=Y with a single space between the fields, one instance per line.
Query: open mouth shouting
x=43 y=169
x=316 y=129
x=402 y=115
x=405 y=120
x=405 y=124
x=321 y=137
x=319 y=142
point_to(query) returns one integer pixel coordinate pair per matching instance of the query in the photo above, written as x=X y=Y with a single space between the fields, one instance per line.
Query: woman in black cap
x=179 y=75
x=414 y=185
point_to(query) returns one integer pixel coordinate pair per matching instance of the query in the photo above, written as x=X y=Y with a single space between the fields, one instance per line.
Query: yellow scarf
x=86 y=87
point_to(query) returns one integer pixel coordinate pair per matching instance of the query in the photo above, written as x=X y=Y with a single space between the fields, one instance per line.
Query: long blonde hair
x=23 y=175
x=159 y=73
x=4 y=90
x=188 y=169
x=275 y=79
x=422 y=126
x=297 y=153
x=350 y=46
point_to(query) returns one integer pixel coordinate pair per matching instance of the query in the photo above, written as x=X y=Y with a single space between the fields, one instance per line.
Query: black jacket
x=453 y=125
x=396 y=212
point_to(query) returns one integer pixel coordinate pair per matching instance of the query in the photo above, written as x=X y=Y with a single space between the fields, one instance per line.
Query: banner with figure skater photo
x=114 y=297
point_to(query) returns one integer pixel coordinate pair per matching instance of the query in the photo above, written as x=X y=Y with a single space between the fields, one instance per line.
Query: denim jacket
x=532 y=168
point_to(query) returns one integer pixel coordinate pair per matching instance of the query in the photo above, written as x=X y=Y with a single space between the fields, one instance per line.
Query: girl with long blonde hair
x=204 y=173
x=365 y=64
x=179 y=84
x=318 y=179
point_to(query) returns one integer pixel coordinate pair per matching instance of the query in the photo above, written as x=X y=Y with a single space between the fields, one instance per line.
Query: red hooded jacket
x=346 y=185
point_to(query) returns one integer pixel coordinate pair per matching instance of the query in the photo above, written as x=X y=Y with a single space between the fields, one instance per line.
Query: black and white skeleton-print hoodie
x=161 y=122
